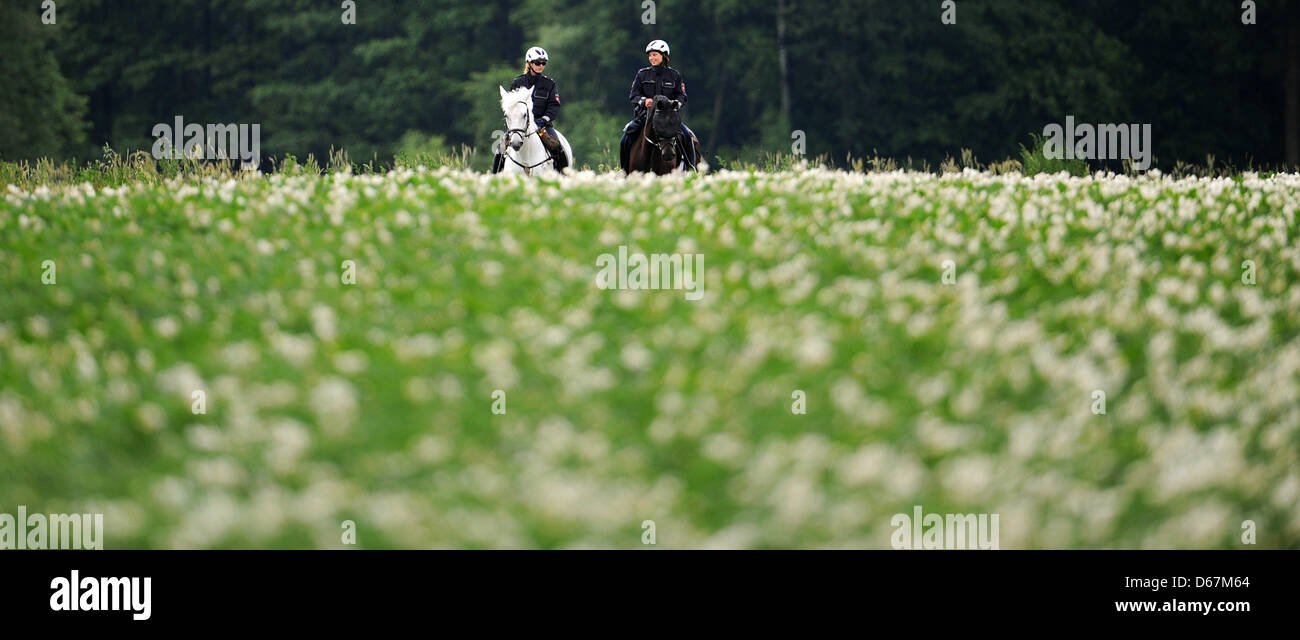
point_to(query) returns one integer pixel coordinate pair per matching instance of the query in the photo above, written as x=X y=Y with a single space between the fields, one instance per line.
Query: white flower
x=323 y=322
x=334 y=401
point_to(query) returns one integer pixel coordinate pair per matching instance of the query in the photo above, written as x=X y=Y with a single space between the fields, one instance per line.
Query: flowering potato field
x=1103 y=362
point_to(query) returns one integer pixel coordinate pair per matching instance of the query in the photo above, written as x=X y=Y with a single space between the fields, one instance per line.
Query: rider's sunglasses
x=540 y=63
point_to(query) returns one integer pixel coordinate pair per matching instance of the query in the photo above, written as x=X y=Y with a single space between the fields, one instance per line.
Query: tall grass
x=138 y=167
x=113 y=169
x=1034 y=161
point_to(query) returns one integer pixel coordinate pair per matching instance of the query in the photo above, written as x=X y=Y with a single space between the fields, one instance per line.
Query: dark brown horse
x=656 y=146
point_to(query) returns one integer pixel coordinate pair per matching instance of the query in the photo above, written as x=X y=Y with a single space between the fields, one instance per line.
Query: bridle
x=662 y=145
x=523 y=135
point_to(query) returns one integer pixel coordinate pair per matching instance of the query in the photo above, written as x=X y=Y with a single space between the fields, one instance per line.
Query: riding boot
x=688 y=143
x=688 y=159
x=498 y=163
x=553 y=147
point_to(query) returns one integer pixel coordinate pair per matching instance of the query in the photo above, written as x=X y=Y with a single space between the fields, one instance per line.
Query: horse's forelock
x=511 y=98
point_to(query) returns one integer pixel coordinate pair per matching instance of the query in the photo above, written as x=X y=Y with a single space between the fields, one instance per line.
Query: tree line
x=919 y=79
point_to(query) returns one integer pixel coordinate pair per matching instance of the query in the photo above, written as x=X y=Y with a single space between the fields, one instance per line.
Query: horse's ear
x=503 y=90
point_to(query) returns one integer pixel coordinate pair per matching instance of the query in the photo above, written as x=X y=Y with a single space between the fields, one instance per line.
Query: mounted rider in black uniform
x=657 y=79
x=546 y=107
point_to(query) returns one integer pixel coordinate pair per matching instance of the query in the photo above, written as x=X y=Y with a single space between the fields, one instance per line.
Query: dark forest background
x=859 y=77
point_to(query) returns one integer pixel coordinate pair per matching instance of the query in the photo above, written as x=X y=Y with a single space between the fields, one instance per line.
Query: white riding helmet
x=658 y=45
x=536 y=53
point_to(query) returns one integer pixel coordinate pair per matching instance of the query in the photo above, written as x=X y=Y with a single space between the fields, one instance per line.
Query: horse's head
x=667 y=118
x=666 y=123
x=517 y=106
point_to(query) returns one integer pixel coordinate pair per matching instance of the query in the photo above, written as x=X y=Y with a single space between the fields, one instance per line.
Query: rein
x=662 y=144
x=529 y=167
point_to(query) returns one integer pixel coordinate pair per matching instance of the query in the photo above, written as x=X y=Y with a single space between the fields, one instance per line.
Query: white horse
x=523 y=149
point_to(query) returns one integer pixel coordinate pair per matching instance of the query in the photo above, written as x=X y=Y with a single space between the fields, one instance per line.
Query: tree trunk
x=717 y=113
x=785 y=67
x=1291 y=127
x=206 y=61
x=720 y=76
